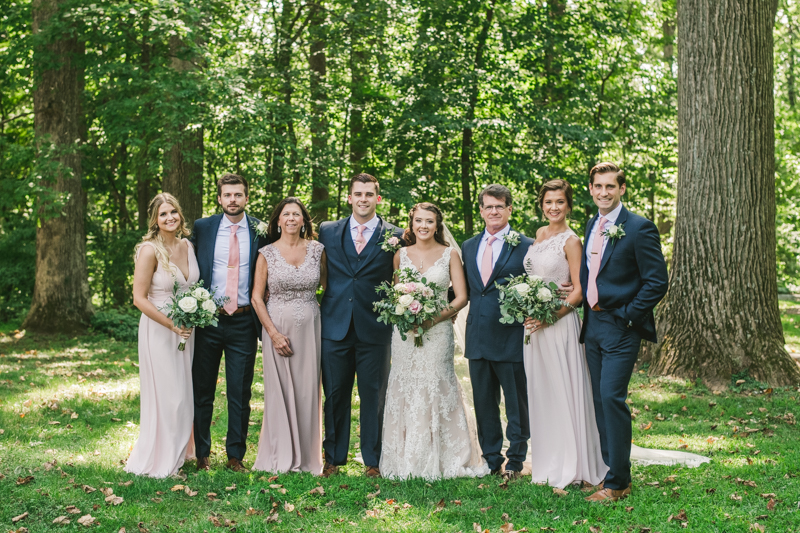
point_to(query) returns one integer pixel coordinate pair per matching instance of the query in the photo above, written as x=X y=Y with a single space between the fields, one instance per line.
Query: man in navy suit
x=624 y=276
x=353 y=341
x=226 y=246
x=494 y=350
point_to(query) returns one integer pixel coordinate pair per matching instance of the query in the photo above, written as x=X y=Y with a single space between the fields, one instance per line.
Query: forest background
x=436 y=98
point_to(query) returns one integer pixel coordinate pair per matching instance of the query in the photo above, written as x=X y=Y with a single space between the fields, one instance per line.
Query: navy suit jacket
x=633 y=275
x=351 y=283
x=486 y=337
x=204 y=239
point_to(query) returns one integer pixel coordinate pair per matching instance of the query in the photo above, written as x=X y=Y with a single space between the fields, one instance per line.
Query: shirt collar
x=371 y=223
x=226 y=222
x=499 y=234
x=612 y=217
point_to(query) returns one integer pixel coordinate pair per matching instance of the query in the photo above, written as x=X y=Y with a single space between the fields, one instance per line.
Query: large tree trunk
x=319 y=115
x=721 y=316
x=61 y=299
x=359 y=64
x=184 y=173
x=467 y=168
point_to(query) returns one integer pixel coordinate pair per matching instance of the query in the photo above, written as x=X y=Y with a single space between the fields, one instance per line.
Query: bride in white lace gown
x=428 y=431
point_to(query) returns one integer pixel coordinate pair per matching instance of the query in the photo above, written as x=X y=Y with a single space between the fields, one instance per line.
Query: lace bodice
x=163 y=281
x=547 y=258
x=293 y=285
x=438 y=273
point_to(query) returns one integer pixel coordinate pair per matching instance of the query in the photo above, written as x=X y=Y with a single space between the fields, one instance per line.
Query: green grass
x=45 y=382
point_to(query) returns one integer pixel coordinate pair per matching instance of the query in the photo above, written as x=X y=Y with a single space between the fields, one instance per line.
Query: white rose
x=534 y=278
x=522 y=288
x=406 y=299
x=400 y=287
x=399 y=310
x=201 y=294
x=209 y=306
x=262 y=227
x=611 y=229
x=513 y=234
x=429 y=309
x=544 y=294
x=188 y=304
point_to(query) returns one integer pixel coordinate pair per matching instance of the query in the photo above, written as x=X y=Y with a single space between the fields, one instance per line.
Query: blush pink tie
x=594 y=263
x=361 y=242
x=486 y=261
x=232 y=284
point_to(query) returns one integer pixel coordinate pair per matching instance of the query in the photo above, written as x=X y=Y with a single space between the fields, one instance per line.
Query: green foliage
x=120 y=325
x=17 y=267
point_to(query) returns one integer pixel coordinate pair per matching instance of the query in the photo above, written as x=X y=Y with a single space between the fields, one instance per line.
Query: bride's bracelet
x=567 y=304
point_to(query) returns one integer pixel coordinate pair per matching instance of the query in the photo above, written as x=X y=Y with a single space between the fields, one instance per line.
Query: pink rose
x=393 y=241
x=411 y=287
x=427 y=291
x=415 y=307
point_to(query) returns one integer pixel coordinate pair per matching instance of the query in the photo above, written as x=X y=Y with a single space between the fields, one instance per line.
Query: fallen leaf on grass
x=251 y=512
x=114 y=500
x=508 y=527
x=372 y=513
x=215 y=521
x=16 y=519
x=559 y=492
x=156 y=500
x=317 y=490
x=455 y=502
x=233 y=487
x=54 y=423
x=191 y=493
x=769 y=495
x=87 y=489
x=24 y=480
x=629 y=509
x=73 y=416
x=116 y=420
x=372 y=495
x=771 y=505
x=757 y=527
x=141 y=527
x=87 y=520
x=476 y=527
x=736 y=497
x=177 y=488
x=108 y=491
x=645 y=427
x=272 y=518
x=288 y=507
x=61 y=521
x=439 y=506
x=211 y=496
x=595 y=529
x=71 y=509
x=484 y=509
x=481 y=486
x=680 y=517
x=272 y=479
x=579 y=522
x=669 y=479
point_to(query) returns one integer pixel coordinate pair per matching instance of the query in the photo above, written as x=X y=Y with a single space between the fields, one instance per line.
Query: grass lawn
x=69 y=417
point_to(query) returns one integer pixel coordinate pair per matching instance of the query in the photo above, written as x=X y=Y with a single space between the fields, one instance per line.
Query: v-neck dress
x=165 y=377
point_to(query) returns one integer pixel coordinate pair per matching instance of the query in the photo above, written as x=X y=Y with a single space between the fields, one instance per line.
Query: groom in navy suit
x=353 y=341
x=494 y=350
x=226 y=245
x=624 y=276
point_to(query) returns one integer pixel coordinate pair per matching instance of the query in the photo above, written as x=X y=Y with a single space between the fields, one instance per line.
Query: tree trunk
x=790 y=80
x=359 y=63
x=720 y=316
x=467 y=133
x=319 y=115
x=184 y=173
x=61 y=299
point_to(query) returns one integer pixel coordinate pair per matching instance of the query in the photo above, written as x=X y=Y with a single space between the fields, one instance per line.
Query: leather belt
x=240 y=310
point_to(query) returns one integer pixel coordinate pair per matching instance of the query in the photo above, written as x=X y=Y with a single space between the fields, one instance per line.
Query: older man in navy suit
x=226 y=245
x=353 y=341
x=623 y=277
x=494 y=350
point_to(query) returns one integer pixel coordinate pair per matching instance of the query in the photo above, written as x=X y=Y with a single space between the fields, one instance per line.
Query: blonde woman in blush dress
x=565 y=443
x=293 y=266
x=163 y=258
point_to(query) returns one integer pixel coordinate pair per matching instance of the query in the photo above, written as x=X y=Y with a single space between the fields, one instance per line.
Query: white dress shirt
x=611 y=219
x=371 y=224
x=219 y=273
x=497 y=246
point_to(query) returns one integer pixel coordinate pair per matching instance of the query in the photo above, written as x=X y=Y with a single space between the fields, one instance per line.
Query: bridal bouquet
x=528 y=296
x=193 y=308
x=409 y=303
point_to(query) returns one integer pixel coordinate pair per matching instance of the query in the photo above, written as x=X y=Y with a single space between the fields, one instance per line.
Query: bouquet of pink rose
x=528 y=296
x=193 y=308
x=409 y=303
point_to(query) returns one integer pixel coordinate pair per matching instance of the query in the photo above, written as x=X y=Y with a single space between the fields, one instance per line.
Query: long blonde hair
x=153 y=235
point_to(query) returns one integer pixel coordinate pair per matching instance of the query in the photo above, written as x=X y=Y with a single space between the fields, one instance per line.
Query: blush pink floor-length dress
x=165 y=375
x=291 y=433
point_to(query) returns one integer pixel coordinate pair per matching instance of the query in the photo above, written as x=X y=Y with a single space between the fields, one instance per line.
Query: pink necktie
x=360 y=241
x=486 y=261
x=594 y=263
x=232 y=285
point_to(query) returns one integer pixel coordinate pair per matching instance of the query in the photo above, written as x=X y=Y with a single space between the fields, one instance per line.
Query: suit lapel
x=470 y=257
x=611 y=245
x=253 y=241
x=210 y=246
x=505 y=253
x=342 y=233
x=372 y=249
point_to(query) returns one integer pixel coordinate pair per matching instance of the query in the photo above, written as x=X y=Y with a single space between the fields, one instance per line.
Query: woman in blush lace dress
x=565 y=443
x=293 y=267
x=428 y=431
x=163 y=258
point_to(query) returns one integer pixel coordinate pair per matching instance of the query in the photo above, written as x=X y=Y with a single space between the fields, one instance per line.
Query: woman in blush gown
x=428 y=431
x=293 y=267
x=565 y=443
x=163 y=258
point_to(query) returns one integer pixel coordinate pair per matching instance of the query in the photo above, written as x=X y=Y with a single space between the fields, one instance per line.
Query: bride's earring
x=302 y=229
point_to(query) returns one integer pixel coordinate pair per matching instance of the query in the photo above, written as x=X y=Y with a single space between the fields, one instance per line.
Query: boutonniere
x=261 y=229
x=614 y=232
x=512 y=238
x=390 y=242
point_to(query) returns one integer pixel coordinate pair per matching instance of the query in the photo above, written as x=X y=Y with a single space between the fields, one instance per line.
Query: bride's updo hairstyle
x=555 y=185
x=153 y=235
x=408 y=235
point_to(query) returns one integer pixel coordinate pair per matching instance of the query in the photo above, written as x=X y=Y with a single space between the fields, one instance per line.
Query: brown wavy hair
x=307 y=233
x=408 y=234
x=555 y=185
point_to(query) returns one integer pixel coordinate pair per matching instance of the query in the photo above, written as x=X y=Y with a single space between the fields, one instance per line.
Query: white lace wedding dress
x=428 y=430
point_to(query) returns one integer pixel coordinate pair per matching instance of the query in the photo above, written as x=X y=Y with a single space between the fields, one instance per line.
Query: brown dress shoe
x=373 y=472
x=497 y=472
x=511 y=475
x=203 y=464
x=329 y=470
x=609 y=495
x=235 y=465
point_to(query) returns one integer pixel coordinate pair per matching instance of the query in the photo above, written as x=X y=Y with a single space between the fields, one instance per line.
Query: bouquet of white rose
x=528 y=296
x=409 y=303
x=193 y=308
